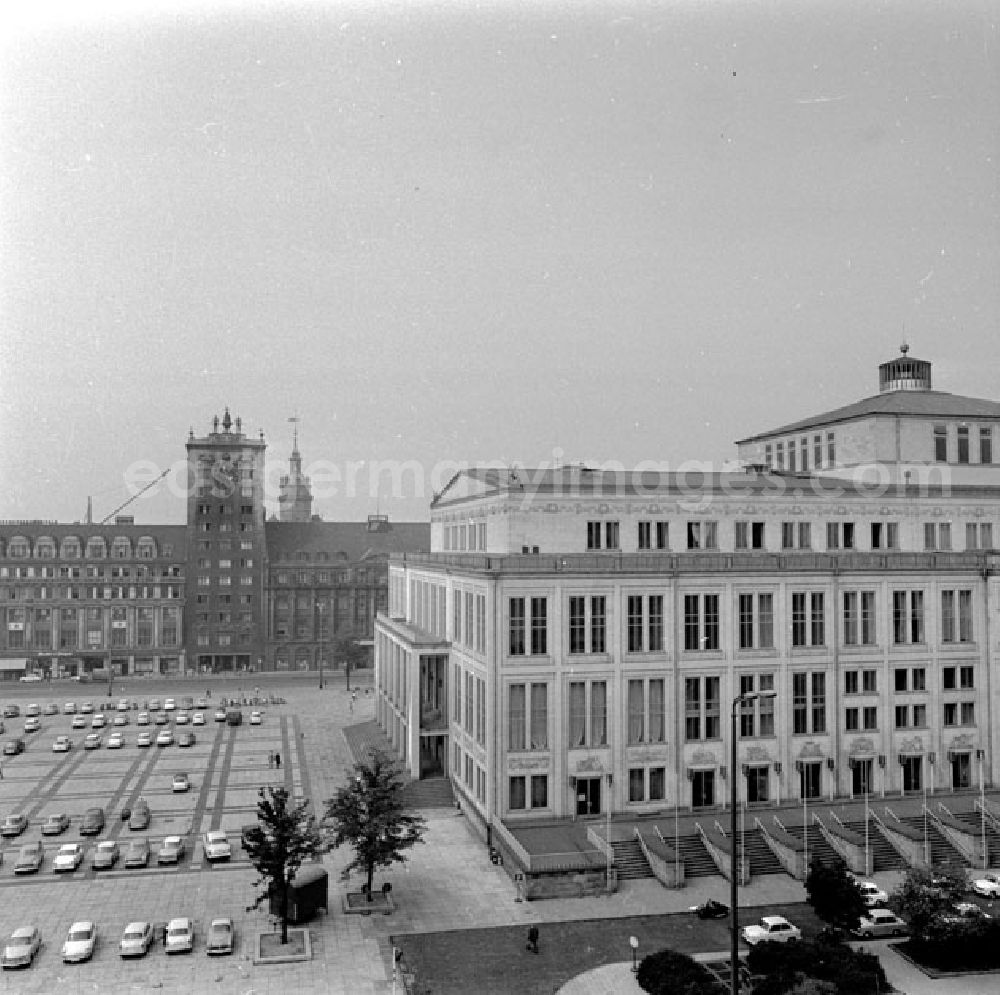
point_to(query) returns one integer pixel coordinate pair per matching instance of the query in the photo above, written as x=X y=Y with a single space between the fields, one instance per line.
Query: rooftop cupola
x=904 y=373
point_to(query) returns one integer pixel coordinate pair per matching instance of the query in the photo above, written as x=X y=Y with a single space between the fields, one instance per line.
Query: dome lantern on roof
x=904 y=373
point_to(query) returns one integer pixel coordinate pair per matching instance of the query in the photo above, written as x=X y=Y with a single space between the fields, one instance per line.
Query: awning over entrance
x=19 y=663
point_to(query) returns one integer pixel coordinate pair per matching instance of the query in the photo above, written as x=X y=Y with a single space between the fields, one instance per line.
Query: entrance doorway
x=912 y=769
x=861 y=777
x=757 y=784
x=961 y=771
x=702 y=788
x=810 y=773
x=588 y=796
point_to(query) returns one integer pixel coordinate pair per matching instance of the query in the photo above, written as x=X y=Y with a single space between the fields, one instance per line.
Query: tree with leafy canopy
x=369 y=814
x=352 y=653
x=926 y=895
x=834 y=894
x=284 y=837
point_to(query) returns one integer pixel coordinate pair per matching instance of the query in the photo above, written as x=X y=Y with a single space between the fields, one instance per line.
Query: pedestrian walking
x=532 y=943
x=277 y=760
x=270 y=759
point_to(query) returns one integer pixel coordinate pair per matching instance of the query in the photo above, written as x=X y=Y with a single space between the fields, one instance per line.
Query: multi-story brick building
x=576 y=639
x=222 y=594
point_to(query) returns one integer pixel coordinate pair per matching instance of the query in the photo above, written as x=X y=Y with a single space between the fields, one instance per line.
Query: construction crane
x=123 y=506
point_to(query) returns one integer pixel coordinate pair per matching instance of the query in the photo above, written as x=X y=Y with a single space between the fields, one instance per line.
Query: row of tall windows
x=795 y=455
x=964 y=439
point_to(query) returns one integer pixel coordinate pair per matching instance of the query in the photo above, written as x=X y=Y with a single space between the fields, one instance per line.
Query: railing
x=991 y=816
x=512 y=844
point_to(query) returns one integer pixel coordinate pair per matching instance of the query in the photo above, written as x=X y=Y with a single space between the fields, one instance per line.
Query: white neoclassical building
x=576 y=638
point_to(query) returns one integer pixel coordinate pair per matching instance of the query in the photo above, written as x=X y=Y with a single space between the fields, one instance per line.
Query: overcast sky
x=479 y=232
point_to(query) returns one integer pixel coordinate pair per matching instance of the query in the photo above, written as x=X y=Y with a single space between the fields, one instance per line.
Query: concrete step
x=630 y=861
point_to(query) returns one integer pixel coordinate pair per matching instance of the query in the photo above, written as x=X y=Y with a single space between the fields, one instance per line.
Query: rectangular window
x=800 y=703
x=539 y=716
x=593 y=535
x=819 y=703
x=645 y=540
x=516 y=790
x=907 y=617
x=692 y=708
x=516 y=717
x=963 y=443
x=637 y=784
x=749 y=535
x=662 y=535
x=636 y=712
x=577 y=625
x=539 y=626
x=577 y=713
x=804 y=453
x=657 y=711
x=517 y=645
x=852 y=720
x=941 y=443
x=701 y=622
x=985 y=444
x=713 y=708
x=780 y=455
x=968 y=713
x=809 y=702
x=611 y=535
x=817 y=451
x=791 y=456
x=539 y=791
x=869 y=716
x=599 y=713
x=598 y=624
x=850 y=682
x=808 y=619
x=657 y=784
x=702 y=535
x=831 y=450
x=634 y=621
x=655 y=623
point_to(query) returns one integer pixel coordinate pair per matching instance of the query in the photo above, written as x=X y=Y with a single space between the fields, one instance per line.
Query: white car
x=165 y=738
x=98 y=721
x=63 y=744
x=772 y=929
x=181 y=782
x=988 y=885
x=80 y=942
x=32 y=725
x=69 y=857
x=20 y=949
x=872 y=893
x=180 y=936
x=30 y=678
x=217 y=846
x=116 y=741
x=136 y=939
x=198 y=719
x=169 y=705
x=256 y=718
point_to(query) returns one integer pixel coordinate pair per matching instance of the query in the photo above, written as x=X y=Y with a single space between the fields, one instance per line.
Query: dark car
x=13 y=747
x=11 y=712
x=186 y=739
x=710 y=909
x=137 y=854
x=139 y=819
x=106 y=855
x=29 y=859
x=93 y=822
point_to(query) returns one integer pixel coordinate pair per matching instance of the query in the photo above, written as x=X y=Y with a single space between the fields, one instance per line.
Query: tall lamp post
x=735 y=868
x=319 y=609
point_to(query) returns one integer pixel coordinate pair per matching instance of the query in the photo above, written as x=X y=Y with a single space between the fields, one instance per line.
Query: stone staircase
x=974 y=820
x=630 y=861
x=819 y=848
x=884 y=857
x=429 y=792
x=942 y=852
x=759 y=856
x=697 y=860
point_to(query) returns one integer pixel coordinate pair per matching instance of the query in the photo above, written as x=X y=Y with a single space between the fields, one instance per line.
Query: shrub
x=668 y=972
x=786 y=967
x=834 y=894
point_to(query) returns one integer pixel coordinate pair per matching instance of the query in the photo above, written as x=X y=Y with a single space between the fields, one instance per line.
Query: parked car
x=164 y=738
x=106 y=855
x=217 y=846
x=234 y=716
x=123 y=704
x=171 y=850
x=987 y=884
x=51 y=709
x=87 y=707
x=29 y=858
x=14 y=824
x=220 y=715
x=116 y=741
x=98 y=721
x=772 y=929
x=181 y=782
x=20 y=949
x=182 y=718
x=30 y=678
x=69 y=708
x=136 y=940
x=81 y=939
x=79 y=722
x=32 y=725
x=154 y=704
x=198 y=719
x=142 y=719
x=13 y=747
x=120 y=720
x=966 y=912
x=169 y=705
x=92 y=741
x=69 y=858
x=160 y=719
x=187 y=738
x=137 y=854
x=180 y=936
x=11 y=711
x=219 y=939
x=62 y=744
x=880 y=922
x=139 y=818
x=710 y=909
x=56 y=823
x=144 y=739
x=872 y=893
x=256 y=718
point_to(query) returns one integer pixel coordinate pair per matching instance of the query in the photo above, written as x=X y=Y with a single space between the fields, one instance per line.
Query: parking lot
x=226 y=766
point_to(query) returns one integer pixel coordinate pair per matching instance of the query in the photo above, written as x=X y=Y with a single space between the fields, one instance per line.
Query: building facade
x=576 y=640
x=228 y=592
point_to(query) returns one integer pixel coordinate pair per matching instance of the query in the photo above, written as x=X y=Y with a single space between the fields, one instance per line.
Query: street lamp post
x=319 y=609
x=734 y=870
x=633 y=942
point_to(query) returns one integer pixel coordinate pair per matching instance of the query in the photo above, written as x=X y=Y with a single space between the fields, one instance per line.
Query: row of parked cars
x=135 y=853
x=178 y=936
